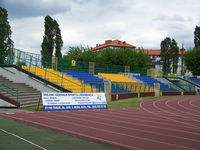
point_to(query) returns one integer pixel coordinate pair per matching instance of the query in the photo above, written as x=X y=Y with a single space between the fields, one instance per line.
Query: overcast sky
x=143 y=23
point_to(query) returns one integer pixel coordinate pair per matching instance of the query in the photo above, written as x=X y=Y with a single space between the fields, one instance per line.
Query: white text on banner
x=73 y=101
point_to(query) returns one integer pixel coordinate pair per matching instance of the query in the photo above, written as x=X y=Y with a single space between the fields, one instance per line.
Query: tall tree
x=48 y=41
x=52 y=39
x=165 y=54
x=192 y=60
x=58 y=40
x=169 y=55
x=174 y=55
x=197 y=36
x=6 y=43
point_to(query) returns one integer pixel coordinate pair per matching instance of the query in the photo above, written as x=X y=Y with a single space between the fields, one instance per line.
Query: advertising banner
x=73 y=101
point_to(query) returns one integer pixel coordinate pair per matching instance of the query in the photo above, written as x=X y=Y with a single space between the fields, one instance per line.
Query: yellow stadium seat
x=61 y=79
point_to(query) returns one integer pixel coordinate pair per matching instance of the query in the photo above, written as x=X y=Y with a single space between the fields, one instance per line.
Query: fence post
x=54 y=62
x=91 y=67
x=107 y=90
x=157 y=89
x=18 y=59
x=82 y=87
x=138 y=94
x=62 y=81
x=117 y=97
x=127 y=69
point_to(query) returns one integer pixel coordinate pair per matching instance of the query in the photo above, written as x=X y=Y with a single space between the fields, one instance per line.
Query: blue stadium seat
x=86 y=78
x=95 y=81
x=116 y=88
x=195 y=80
x=149 y=80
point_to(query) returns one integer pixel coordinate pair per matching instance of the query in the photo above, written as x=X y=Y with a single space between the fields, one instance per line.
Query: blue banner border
x=73 y=107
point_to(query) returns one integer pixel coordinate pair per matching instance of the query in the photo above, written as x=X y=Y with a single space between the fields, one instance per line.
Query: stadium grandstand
x=29 y=69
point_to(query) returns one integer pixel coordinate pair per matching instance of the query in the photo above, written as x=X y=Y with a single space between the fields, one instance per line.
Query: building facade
x=154 y=54
x=115 y=44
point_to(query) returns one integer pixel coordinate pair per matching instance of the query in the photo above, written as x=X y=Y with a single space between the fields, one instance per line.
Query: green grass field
x=43 y=137
x=125 y=103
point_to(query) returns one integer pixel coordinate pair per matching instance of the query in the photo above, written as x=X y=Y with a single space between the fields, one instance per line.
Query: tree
x=74 y=53
x=169 y=55
x=165 y=54
x=52 y=39
x=197 y=36
x=48 y=41
x=192 y=60
x=58 y=40
x=125 y=57
x=174 y=54
x=6 y=43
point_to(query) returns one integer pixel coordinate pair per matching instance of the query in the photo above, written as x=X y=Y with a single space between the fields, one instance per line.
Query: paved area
x=5 y=104
x=11 y=110
x=6 y=107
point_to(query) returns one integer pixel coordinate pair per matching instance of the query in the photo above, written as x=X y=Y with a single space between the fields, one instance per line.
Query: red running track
x=161 y=124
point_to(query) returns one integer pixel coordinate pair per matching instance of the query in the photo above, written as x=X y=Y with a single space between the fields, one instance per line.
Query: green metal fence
x=35 y=61
x=19 y=57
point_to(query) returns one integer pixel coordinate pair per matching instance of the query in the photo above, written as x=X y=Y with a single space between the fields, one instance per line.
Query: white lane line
x=27 y=141
x=183 y=112
x=139 y=117
x=136 y=119
x=174 y=120
x=182 y=105
x=128 y=128
x=115 y=133
x=139 y=125
x=75 y=133
x=194 y=105
x=144 y=125
x=175 y=114
x=110 y=132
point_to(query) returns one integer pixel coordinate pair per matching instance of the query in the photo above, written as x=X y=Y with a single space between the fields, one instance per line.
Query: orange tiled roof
x=156 y=52
x=113 y=43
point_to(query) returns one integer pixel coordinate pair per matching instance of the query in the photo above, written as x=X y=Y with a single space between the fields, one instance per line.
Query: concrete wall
x=19 y=77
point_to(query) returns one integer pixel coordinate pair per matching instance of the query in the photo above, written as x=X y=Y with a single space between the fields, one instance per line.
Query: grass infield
x=45 y=138
x=125 y=103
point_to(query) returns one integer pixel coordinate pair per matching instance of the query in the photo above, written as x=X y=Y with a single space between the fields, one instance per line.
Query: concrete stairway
x=165 y=81
x=27 y=96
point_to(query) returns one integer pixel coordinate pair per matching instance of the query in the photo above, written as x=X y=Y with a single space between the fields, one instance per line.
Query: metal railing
x=31 y=60
x=10 y=91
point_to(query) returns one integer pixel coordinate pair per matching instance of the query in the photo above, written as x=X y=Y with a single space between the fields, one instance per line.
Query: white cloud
x=88 y=22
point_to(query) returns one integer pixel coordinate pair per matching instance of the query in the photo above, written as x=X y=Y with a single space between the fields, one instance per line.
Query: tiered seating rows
x=127 y=83
x=94 y=81
x=91 y=83
x=195 y=79
x=60 y=79
x=151 y=81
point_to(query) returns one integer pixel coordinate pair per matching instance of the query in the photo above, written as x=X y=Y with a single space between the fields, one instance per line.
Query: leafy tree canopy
x=197 y=36
x=169 y=55
x=125 y=57
x=52 y=39
x=192 y=60
x=6 y=42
